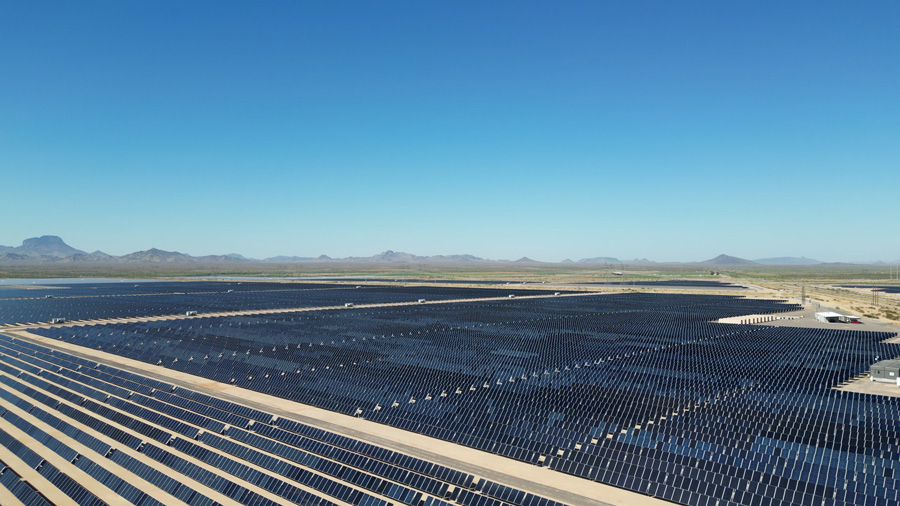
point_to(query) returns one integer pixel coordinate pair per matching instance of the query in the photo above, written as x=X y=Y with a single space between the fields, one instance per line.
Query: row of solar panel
x=399 y=493
x=269 y=416
x=60 y=480
x=97 y=446
x=329 y=451
x=234 y=466
x=21 y=489
x=224 y=486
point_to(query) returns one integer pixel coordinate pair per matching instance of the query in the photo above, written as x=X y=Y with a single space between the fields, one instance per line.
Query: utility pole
x=802 y=294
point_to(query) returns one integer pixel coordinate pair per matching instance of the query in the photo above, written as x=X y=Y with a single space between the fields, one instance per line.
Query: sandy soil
x=864 y=385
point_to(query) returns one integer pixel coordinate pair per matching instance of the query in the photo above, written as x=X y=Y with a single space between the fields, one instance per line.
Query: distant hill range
x=725 y=260
x=50 y=249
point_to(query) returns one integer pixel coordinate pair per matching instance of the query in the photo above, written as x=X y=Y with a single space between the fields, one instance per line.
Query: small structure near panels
x=832 y=317
x=885 y=371
x=829 y=317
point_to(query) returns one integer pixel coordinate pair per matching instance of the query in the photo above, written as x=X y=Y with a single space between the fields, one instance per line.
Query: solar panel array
x=880 y=288
x=112 y=300
x=151 y=443
x=669 y=283
x=143 y=287
x=640 y=391
x=388 y=279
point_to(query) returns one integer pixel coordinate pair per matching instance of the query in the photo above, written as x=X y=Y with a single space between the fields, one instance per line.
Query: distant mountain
x=158 y=256
x=99 y=256
x=95 y=257
x=787 y=261
x=394 y=256
x=48 y=246
x=399 y=257
x=155 y=256
x=51 y=249
x=727 y=260
x=600 y=260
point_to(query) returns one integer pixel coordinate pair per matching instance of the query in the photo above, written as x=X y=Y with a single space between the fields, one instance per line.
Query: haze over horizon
x=667 y=131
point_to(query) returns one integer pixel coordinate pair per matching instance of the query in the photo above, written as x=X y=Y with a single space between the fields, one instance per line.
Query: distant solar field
x=116 y=300
x=880 y=288
x=672 y=283
x=149 y=288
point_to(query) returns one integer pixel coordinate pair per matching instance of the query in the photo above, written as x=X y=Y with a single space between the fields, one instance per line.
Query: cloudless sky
x=668 y=130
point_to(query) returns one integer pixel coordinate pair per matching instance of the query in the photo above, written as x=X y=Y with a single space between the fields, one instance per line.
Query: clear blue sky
x=666 y=130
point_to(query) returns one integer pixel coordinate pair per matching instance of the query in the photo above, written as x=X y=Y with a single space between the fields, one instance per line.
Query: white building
x=829 y=317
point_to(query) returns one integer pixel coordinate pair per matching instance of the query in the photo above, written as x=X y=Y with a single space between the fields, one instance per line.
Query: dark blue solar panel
x=22 y=490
